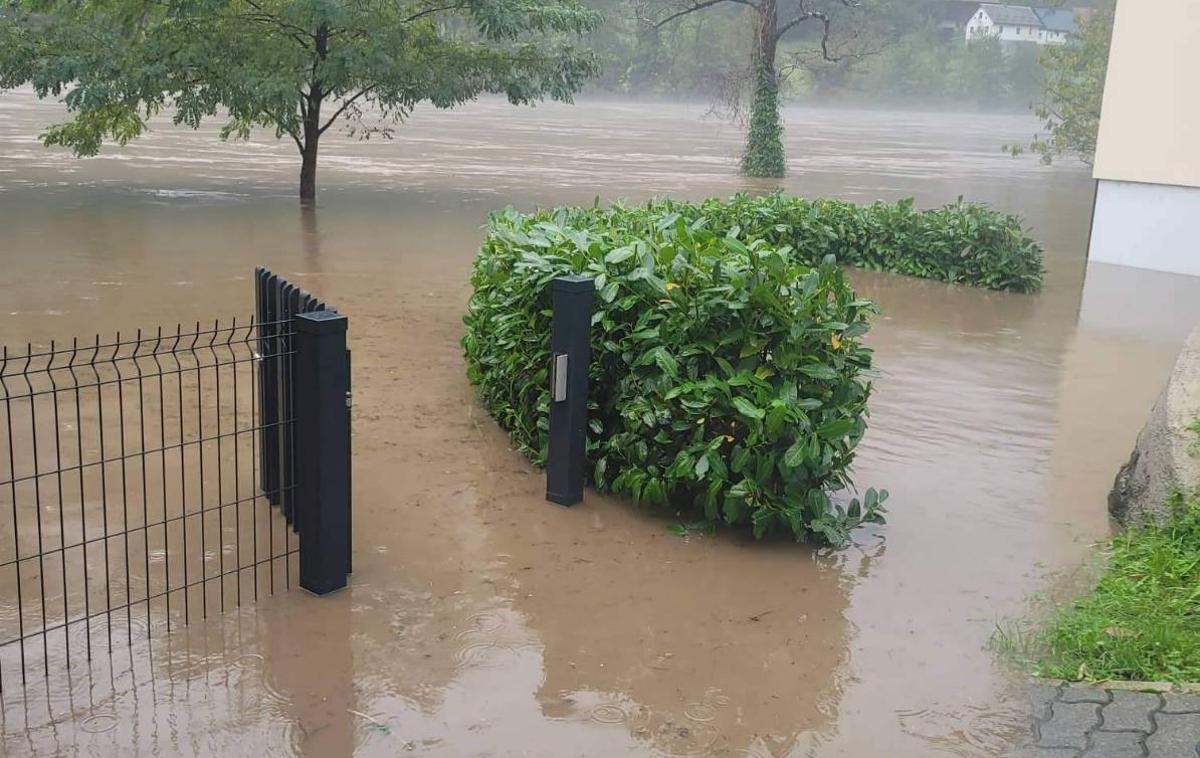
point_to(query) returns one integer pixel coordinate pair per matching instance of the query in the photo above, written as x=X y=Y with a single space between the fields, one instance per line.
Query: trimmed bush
x=727 y=378
x=964 y=243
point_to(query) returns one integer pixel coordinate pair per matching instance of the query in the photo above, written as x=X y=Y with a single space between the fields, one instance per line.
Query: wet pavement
x=483 y=621
x=1081 y=721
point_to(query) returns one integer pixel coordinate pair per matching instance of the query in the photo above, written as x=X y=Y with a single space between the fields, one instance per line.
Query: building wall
x=1150 y=123
x=1151 y=226
x=1147 y=167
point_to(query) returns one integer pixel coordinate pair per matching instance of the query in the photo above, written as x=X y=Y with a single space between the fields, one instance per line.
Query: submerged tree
x=774 y=19
x=297 y=67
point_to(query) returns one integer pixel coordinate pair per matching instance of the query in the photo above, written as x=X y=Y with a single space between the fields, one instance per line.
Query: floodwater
x=482 y=620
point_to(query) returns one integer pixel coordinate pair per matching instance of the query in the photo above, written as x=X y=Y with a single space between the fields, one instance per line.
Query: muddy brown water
x=483 y=621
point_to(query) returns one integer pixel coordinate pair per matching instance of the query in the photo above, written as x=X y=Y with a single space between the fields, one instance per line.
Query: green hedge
x=728 y=377
x=963 y=243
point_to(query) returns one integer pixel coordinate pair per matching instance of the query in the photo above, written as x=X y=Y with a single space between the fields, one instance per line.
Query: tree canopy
x=297 y=67
x=1074 y=90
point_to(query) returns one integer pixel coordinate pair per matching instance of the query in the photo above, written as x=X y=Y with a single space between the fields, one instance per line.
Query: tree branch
x=698 y=6
x=337 y=114
x=826 y=22
x=430 y=12
x=262 y=16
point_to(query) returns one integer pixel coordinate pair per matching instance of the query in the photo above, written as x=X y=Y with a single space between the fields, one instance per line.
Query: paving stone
x=1069 y=724
x=1041 y=695
x=1081 y=693
x=1181 y=703
x=1129 y=711
x=1115 y=745
x=1176 y=736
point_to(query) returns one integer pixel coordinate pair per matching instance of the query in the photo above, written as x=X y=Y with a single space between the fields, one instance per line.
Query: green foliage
x=727 y=376
x=690 y=57
x=923 y=64
x=764 y=140
x=276 y=64
x=1142 y=621
x=1074 y=90
x=964 y=243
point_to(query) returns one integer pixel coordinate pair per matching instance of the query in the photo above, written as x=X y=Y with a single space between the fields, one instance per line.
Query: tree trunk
x=308 y=171
x=764 y=141
x=312 y=123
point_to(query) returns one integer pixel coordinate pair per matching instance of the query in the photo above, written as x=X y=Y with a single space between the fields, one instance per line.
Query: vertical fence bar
x=37 y=504
x=220 y=466
x=256 y=394
x=103 y=491
x=200 y=474
x=570 y=355
x=289 y=386
x=116 y=364
x=270 y=391
x=237 y=467
x=162 y=460
x=321 y=382
x=291 y=299
x=62 y=523
x=87 y=594
x=349 y=459
x=137 y=367
x=12 y=477
x=260 y=366
x=187 y=608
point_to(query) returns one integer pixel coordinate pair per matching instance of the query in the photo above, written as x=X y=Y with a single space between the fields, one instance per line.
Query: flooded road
x=483 y=621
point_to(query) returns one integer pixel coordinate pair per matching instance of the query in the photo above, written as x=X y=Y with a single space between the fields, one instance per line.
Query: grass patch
x=1142 y=621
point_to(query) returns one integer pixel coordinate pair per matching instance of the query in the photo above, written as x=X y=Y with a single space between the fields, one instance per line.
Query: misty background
x=891 y=52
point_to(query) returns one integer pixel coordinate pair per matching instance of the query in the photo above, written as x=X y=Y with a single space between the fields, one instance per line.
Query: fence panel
x=130 y=491
x=138 y=474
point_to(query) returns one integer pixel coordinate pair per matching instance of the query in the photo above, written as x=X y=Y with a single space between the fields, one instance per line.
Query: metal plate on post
x=559 y=380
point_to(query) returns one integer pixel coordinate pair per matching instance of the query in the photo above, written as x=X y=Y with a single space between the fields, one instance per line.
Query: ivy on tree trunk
x=764 y=154
x=764 y=140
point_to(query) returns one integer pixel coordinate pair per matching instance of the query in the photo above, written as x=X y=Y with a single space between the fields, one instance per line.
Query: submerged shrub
x=963 y=243
x=727 y=372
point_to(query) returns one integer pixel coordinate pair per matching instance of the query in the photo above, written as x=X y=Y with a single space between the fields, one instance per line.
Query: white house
x=1020 y=23
x=1008 y=23
x=1147 y=167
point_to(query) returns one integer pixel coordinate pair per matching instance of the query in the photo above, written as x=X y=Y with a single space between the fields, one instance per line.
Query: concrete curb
x=1128 y=685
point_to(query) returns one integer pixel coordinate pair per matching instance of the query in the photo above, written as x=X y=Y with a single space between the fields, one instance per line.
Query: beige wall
x=1150 y=123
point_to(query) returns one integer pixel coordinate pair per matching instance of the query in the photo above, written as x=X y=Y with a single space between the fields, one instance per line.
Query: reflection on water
x=482 y=620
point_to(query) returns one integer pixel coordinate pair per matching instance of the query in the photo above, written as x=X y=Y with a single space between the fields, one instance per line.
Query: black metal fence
x=138 y=474
x=307 y=368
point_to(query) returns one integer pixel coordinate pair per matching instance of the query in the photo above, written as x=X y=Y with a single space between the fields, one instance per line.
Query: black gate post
x=570 y=355
x=321 y=376
x=268 y=383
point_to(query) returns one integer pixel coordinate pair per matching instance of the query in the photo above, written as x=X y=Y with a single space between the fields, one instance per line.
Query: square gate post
x=321 y=376
x=570 y=356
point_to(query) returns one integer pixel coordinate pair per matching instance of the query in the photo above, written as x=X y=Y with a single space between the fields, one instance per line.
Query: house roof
x=959 y=12
x=1058 y=19
x=1012 y=15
